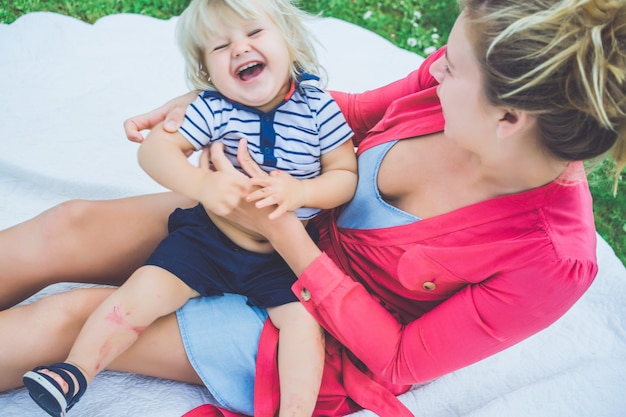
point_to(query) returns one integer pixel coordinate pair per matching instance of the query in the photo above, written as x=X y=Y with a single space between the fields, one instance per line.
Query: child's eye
x=447 y=69
x=220 y=46
x=255 y=32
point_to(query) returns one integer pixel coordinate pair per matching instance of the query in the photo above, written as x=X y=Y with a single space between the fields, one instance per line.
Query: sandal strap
x=66 y=371
x=49 y=384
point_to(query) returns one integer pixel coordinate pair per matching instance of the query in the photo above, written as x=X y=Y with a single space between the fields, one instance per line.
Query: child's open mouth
x=249 y=71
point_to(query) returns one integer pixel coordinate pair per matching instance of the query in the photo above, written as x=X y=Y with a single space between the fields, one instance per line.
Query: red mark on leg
x=115 y=316
x=139 y=329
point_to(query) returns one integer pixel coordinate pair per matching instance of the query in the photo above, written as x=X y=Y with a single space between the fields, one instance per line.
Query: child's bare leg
x=44 y=331
x=300 y=358
x=82 y=241
x=151 y=292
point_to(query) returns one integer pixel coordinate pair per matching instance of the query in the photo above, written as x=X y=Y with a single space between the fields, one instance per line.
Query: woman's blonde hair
x=196 y=23
x=563 y=61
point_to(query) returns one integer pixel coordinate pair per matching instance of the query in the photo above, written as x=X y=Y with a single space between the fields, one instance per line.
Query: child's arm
x=163 y=156
x=333 y=187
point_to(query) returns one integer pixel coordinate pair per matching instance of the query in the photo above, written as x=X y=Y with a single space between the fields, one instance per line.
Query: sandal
x=48 y=394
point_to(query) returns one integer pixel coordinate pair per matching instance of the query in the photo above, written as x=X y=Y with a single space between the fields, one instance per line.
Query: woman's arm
x=364 y=110
x=476 y=322
x=171 y=114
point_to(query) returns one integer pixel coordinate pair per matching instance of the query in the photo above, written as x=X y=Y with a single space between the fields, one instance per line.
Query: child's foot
x=55 y=388
x=57 y=378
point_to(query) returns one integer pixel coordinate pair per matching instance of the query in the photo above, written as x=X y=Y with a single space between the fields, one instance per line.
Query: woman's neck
x=518 y=171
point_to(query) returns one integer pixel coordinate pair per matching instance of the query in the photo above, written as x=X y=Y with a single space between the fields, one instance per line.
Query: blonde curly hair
x=196 y=23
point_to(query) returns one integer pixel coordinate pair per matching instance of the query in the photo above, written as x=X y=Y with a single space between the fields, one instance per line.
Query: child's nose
x=240 y=48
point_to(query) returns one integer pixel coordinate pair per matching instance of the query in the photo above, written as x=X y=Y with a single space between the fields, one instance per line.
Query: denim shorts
x=221 y=337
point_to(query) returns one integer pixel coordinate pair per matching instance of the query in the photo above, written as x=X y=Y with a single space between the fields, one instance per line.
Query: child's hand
x=280 y=189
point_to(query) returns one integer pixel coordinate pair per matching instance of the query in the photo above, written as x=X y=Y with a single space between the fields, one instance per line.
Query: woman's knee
x=69 y=310
x=45 y=249
x=68 y=218
x=53 y=321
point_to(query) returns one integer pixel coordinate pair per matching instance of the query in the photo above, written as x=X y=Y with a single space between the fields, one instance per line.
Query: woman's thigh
x=82 y=241
x=221 y=336
x=210 y=341
x=110 y=239
x=43 y=332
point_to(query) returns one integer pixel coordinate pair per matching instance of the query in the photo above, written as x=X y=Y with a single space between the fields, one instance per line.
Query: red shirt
x=407 y=304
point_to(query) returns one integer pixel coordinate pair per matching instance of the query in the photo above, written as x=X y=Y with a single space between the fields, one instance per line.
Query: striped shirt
x=291 y=137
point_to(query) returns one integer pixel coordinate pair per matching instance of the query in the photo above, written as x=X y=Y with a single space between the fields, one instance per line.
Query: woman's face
x=469 y=119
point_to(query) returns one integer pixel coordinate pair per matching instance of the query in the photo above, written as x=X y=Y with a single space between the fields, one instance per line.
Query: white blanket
x=67 y=86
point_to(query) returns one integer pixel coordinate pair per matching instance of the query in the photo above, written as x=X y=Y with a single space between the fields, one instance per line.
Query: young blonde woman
x=471 y=228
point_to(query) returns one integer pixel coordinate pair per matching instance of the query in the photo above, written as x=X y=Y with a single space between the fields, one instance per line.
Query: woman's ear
x=513 y=121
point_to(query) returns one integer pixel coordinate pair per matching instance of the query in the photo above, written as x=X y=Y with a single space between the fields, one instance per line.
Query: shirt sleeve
x=332 y=127
x=364 y=110
x=474 y=323
x=199 y=123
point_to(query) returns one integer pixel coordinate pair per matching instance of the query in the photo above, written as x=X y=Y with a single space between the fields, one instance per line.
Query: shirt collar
x=294 y=84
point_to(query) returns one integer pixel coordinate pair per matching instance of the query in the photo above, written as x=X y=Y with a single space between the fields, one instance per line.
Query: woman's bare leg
x=44 y=331
x=82 y=241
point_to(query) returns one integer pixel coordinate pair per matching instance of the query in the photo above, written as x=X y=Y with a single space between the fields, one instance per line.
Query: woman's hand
x=172 y=112
x=224 y=187
x=246 y=214
x=286 y=233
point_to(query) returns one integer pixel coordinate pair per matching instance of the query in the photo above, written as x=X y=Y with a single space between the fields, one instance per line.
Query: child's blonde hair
x=196 y=24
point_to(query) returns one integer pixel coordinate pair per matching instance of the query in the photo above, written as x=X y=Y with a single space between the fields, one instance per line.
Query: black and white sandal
x=48 y=394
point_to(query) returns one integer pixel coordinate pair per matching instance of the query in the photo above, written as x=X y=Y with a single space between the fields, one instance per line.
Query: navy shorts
x=205 y=259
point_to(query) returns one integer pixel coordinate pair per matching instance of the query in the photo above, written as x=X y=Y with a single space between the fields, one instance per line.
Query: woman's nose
x=436 y=69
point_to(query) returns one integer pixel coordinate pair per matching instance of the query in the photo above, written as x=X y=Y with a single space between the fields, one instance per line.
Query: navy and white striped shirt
x=291 y=137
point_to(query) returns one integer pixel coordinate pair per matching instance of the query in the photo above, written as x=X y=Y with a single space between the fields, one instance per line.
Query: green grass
x=414 y=25
x=91 y=10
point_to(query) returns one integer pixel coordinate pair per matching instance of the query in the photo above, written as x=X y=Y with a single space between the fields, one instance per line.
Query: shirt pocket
x=427 y=278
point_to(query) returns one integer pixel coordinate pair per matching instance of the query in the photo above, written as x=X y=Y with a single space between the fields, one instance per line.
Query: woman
x=486 y=233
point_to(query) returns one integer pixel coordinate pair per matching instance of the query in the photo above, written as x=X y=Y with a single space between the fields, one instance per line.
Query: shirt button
x=429 y=286
x=305 y=294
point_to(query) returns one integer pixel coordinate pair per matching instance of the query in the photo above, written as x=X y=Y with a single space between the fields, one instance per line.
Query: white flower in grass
x=434 y=36
x=429 y=50
x=412 y=42
x=417 y=14
x=367 y=14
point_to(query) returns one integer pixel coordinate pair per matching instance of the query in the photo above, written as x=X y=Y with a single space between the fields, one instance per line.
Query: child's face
x=248 y=61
